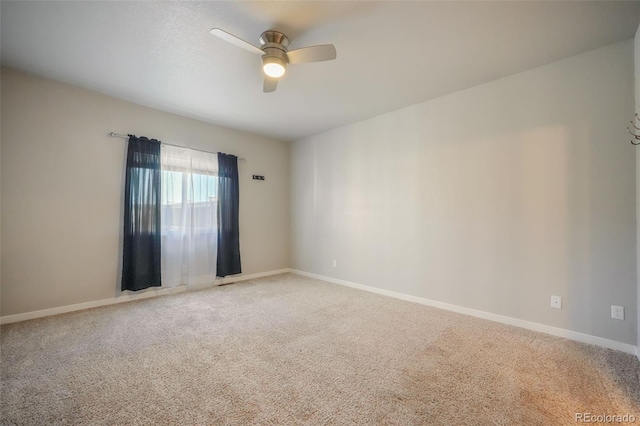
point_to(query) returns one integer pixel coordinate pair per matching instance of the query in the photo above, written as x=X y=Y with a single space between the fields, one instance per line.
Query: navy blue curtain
x=141 y=250
x=228 y=223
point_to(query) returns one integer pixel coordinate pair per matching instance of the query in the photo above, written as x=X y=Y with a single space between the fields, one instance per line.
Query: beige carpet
x=292 y=350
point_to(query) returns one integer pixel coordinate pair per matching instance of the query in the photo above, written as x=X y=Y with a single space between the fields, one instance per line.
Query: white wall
x=62 y=182
x=636 y=43
x=492 y=198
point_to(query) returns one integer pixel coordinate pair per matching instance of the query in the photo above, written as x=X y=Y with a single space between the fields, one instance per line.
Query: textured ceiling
x=390 y=54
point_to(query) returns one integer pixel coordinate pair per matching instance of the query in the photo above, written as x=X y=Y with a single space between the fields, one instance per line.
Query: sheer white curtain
x=188 y=216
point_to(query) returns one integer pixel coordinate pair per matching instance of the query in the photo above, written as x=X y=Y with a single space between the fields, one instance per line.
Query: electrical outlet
x=335 y=263
x=556 y=302
x=617 y=312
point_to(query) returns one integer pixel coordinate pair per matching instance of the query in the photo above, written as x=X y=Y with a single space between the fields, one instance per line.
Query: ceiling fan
x=275 y=55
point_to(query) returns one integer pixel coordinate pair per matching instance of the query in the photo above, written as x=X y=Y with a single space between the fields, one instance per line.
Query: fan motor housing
x=273 y=36
x=274 y=45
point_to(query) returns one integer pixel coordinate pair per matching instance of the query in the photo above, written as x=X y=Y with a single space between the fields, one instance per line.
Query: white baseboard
x=153 y=292
x=129 y=296
x=554 y=331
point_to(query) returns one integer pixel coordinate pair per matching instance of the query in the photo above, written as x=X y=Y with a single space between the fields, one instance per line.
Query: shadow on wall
x=118 y=283
x=601 y=229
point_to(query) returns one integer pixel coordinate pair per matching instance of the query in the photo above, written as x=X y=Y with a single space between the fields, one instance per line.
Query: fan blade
x=235 y=40
x=324 y=52
x=269 y=84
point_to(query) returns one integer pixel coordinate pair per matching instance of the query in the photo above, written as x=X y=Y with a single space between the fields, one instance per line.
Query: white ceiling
x=390 y=54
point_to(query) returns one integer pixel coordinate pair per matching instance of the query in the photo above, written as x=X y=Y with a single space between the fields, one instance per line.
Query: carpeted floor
x=293 y=350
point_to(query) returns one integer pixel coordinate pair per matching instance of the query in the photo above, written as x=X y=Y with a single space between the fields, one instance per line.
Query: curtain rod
x=120 y=135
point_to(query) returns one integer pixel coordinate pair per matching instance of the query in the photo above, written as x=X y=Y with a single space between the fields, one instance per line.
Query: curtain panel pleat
x=228 y=262
x=141 y=246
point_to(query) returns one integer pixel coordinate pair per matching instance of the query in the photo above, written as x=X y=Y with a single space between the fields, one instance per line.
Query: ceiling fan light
x=273 y=67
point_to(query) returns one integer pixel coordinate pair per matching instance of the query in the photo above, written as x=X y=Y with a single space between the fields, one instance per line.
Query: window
x=182 y=189
x=188 y=215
